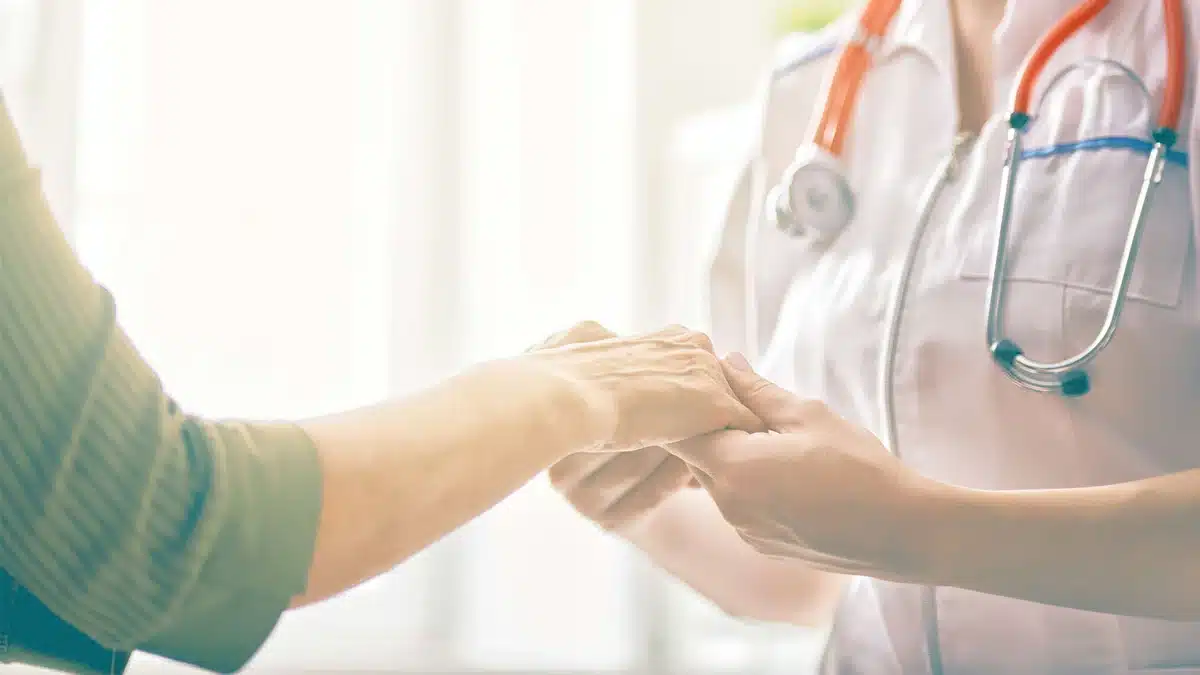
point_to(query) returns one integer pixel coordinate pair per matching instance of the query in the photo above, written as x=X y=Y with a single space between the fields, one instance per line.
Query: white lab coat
x=819 y=320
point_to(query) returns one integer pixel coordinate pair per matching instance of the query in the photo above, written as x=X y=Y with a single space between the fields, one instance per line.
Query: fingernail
x=738 y=362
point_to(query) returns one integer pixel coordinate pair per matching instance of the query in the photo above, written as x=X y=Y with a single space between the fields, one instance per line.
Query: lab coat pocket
x=1070 y=220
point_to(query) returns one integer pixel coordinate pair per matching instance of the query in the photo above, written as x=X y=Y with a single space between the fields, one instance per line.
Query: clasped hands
x=793 y=478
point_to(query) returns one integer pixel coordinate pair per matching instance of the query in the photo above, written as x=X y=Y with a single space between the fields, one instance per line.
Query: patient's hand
x=644 y=390
x=617 y=489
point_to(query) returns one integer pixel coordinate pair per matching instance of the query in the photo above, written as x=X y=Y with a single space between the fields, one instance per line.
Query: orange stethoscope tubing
x=855 y=61
x=848 y=76
x=1069 y=376
x=1172 y=104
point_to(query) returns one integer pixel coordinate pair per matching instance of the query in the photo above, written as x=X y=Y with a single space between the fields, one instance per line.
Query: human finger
x=708 y=453
x=739 y=415
x=682 y=335
x=701 y=340
x=670 y=476
x=567 y=474
x=623 y=471
x=584 y=331
x=623 y=486
x=778 y=408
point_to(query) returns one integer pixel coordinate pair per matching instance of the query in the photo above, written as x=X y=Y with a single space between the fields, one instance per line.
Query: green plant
x=806 y=16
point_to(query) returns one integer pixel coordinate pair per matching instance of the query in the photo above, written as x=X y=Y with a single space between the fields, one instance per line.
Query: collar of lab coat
x=927 y=27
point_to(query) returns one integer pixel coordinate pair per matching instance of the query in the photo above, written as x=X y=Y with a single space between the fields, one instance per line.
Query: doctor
x=986 y=526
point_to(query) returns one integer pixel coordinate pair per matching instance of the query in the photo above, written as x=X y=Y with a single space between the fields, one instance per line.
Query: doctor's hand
x=646 y=390
x=815 y=487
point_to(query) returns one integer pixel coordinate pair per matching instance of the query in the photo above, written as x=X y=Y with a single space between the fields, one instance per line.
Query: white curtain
x=40 y=50
x=370 y=194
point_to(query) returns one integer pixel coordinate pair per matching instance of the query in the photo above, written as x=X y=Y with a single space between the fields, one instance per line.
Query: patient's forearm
x=399 y=476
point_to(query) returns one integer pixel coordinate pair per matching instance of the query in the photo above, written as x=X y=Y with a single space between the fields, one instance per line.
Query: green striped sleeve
x=142 y=526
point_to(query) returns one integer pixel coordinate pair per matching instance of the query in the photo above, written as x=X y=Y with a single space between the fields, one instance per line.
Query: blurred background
x=376 y=192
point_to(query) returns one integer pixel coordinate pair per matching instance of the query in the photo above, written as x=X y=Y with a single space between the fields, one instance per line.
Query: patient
x=141 y=527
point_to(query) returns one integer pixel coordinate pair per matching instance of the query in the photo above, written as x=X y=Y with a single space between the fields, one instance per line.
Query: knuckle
x=589 y=330
x=696 y=360
x=812 y=410
x=673 y=333
x=701 y=340
x=584 y=331
x=554 y=340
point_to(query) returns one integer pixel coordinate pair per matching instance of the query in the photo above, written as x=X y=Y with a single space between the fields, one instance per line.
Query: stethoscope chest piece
x=813 y=200
x=1072 y=383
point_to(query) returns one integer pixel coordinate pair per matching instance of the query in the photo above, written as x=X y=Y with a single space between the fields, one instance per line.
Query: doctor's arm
x=687 y=537
x=825 y=491
x=642 y=496
x=1131 y=548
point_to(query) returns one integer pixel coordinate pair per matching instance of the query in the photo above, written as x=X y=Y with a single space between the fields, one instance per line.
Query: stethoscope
x=814 y=200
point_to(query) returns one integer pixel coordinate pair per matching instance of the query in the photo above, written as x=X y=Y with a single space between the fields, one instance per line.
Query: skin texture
x=818 y=489
x=617 y=489
x=399 y=476
x=814 y=487
x=647 y=497
x=612 y=488
x=682 y=530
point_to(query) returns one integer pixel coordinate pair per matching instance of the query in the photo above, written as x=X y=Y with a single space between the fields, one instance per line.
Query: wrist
x=939 y=532
x=969 y=538
x=570 y=415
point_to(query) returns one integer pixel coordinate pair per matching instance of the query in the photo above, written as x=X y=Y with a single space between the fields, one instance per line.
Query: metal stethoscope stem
x=946 y=173
x=814 y=200
x=1068 y=376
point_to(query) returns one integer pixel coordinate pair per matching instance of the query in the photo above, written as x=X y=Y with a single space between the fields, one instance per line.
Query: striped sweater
x=141 y=526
